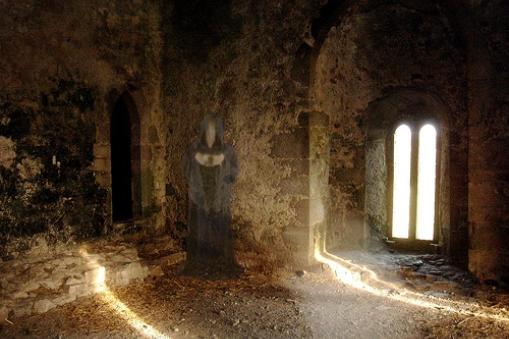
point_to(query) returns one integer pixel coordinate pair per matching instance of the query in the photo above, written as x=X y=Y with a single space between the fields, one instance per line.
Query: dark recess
x=121 y=173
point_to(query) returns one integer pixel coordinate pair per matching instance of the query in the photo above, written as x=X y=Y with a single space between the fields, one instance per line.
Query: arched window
x=414 y=182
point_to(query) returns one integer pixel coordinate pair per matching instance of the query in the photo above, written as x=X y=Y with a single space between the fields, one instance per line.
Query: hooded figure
x=210 y=166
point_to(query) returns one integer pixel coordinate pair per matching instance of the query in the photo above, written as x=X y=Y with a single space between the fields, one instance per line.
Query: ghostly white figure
x=209 y=159
x=210 y=166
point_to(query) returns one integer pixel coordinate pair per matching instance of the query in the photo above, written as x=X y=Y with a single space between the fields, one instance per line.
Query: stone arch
x=125 y=159
x=467 y=39
x=148 y=188
x=332 y=12
x=397 y=104
x=382 y=116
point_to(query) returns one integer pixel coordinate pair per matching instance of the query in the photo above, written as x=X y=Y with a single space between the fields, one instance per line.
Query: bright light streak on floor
x=426 y=183
x=341 y=269
x=401 y=193
x=130 y=317
x=115 y=304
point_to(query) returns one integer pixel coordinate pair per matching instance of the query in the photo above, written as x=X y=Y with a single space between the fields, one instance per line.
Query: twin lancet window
x=414 y=183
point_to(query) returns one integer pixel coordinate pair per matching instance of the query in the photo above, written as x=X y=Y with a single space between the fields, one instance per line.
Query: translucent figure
x=211 y=167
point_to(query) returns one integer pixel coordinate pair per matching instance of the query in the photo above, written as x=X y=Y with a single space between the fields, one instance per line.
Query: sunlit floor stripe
x=116 y=305
x=348 y=277
x=132 y=318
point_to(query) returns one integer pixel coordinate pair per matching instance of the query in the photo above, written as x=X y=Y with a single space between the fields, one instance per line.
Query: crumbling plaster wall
x=61 y=60
x=378 y=48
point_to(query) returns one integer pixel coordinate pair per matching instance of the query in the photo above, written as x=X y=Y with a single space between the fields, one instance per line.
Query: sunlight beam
x=341 y=269
x=115 y=304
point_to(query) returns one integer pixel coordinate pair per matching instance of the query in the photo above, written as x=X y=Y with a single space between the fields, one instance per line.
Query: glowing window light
x=426 y=183
x=401 y=193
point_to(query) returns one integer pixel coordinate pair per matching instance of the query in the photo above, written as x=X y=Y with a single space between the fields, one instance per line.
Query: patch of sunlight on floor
x=342 y=271
x=115 y=304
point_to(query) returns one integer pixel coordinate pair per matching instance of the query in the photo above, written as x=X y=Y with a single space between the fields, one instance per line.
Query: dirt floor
x=284 y=305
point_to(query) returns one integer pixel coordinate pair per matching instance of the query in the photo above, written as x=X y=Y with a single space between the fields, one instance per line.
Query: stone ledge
x=52 y=279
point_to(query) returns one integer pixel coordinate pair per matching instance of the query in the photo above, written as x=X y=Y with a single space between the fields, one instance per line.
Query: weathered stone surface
x=291 y=145
x=42 y=306
x=30 y=286
x=156 y=271
x=4 y=313
x=52 y=279
x=281 y=106
x=51 y=284
x=64 y=299
x=65 y=185
x=22 y=308
x=80 y=290
x=175 y=258
x=20 y=295
x=295 y=185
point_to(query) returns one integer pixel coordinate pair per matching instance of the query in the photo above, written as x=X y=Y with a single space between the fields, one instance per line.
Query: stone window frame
x=415 y=123
x=399 y=104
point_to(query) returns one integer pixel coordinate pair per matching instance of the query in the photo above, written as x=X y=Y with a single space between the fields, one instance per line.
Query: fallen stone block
x=30 y=285
x=42 y=306
x=23 y=308
x=4 y=313
x=51 y=284
x=156 y=271
x=64 y=299
x=80 y=290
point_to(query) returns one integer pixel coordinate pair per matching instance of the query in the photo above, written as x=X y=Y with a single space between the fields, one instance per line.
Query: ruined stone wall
x=489 y=142
x=64 y=64
x=60 y=61
x=236 y=59
x=377 y=49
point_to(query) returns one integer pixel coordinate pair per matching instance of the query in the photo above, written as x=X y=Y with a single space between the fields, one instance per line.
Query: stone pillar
x=488 y=200
x=306 y=151
x=292 y=150
x=319 y=158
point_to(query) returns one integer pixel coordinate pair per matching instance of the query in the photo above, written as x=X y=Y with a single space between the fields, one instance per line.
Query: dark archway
x=125 y=159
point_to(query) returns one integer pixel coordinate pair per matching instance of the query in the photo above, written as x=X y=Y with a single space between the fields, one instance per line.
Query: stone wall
x=298 y=83
x=488 y=143
x=62 y=62
x=376 y=51
x=237 y=59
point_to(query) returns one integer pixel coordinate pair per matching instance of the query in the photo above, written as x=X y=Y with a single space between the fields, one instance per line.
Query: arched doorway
x=125 y=159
